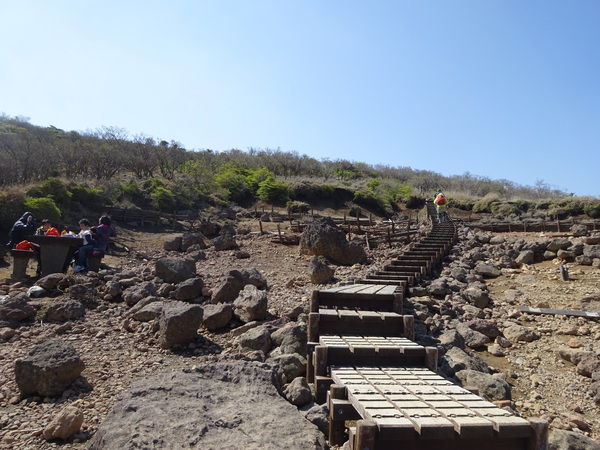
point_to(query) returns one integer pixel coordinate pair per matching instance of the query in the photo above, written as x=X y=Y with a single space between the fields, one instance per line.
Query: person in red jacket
x=440 y=205
x=47 y=229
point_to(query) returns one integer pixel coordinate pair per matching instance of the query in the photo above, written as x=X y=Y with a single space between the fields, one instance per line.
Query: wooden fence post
x=336 y=426
x=366 y=435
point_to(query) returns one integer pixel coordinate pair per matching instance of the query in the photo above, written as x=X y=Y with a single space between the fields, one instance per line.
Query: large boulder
x=190 y=239
x=559 y=244
x=591 y=303
x=175 y=270
x=49 y=369
x=487 y=270
x=189 y=289
x=137 y=292
x=570 y=440
x=173 y=245
x=179 y=323
x=65 y=310
x=65 y=424
x=320 y=271
x=217 y=316
x=456 y=360
x=472 y=338
x=477 y=297
x=290 y=366
x=225 y=240
x=291 y=338
x=490 y=387
x=591 y=251
x=322 y=237
x=228 y=404
x=257 y=338
x=16 y=308
x=251 y=304
x=234 y=281
x=519 y=333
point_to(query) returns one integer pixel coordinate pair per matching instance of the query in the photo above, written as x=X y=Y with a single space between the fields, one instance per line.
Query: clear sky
x=505 y=89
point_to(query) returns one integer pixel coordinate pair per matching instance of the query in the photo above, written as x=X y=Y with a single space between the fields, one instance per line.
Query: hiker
x=440 y=205
x=89 y=245
x=47 y=229
x=103 y=233
x=22 y=229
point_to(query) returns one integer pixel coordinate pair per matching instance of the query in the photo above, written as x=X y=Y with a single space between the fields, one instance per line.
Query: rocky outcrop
x=322 y=237
x=251 y=304
x=49 y=369
x=175 y=270
x=228 y=404
x=15 y=309
x=179 y=323
x=234 y=281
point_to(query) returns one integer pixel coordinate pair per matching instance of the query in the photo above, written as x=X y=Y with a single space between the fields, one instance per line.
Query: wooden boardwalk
x=382 y=388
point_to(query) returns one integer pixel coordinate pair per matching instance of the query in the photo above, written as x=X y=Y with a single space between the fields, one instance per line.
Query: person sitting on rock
x=89 y=245
x=104 y=232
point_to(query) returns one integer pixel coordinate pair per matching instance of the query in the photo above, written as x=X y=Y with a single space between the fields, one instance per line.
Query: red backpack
x=24 y=245
x=440 y=200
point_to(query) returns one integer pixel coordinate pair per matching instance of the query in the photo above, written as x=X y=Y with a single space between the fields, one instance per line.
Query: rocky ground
x=543 y=383
x=117 y=351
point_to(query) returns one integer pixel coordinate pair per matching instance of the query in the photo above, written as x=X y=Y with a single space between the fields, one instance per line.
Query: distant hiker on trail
x=22 y=229
x=440 y=205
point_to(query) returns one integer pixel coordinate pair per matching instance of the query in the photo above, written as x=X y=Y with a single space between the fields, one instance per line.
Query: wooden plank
x=560 y=312
x=389 y=289
x=430 y=424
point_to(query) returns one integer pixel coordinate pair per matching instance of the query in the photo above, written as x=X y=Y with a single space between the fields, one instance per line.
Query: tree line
x=30 y=153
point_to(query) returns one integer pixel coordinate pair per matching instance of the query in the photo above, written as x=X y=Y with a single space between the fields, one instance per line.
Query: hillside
x=118 y=350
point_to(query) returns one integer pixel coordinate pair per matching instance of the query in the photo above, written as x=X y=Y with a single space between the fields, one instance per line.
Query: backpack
x=24 y=245
x=440 y=200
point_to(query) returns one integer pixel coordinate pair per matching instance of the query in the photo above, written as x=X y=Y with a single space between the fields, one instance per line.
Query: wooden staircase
x=381 y=385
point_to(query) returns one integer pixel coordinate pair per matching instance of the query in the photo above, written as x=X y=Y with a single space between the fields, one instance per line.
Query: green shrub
x=55 y=189
x=12 y=206
x=504 y=209
x=163 y=199
x=355 y=211
x=485 y=204
x=273 y=191
x=544 y=205
x=523 y=205
x=565 y=207
x=89 y=196
x=151 y=184
x=43 y=208
x=593 y=210
x=309 y=191
x=234 y=183
x=297 y=207
x=415 y=202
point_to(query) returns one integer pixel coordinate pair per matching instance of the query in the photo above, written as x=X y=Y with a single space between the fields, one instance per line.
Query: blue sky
x=505 y=89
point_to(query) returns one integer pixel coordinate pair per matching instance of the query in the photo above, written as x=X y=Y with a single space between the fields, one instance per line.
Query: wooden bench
x=94 y=259
x=20 y=261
